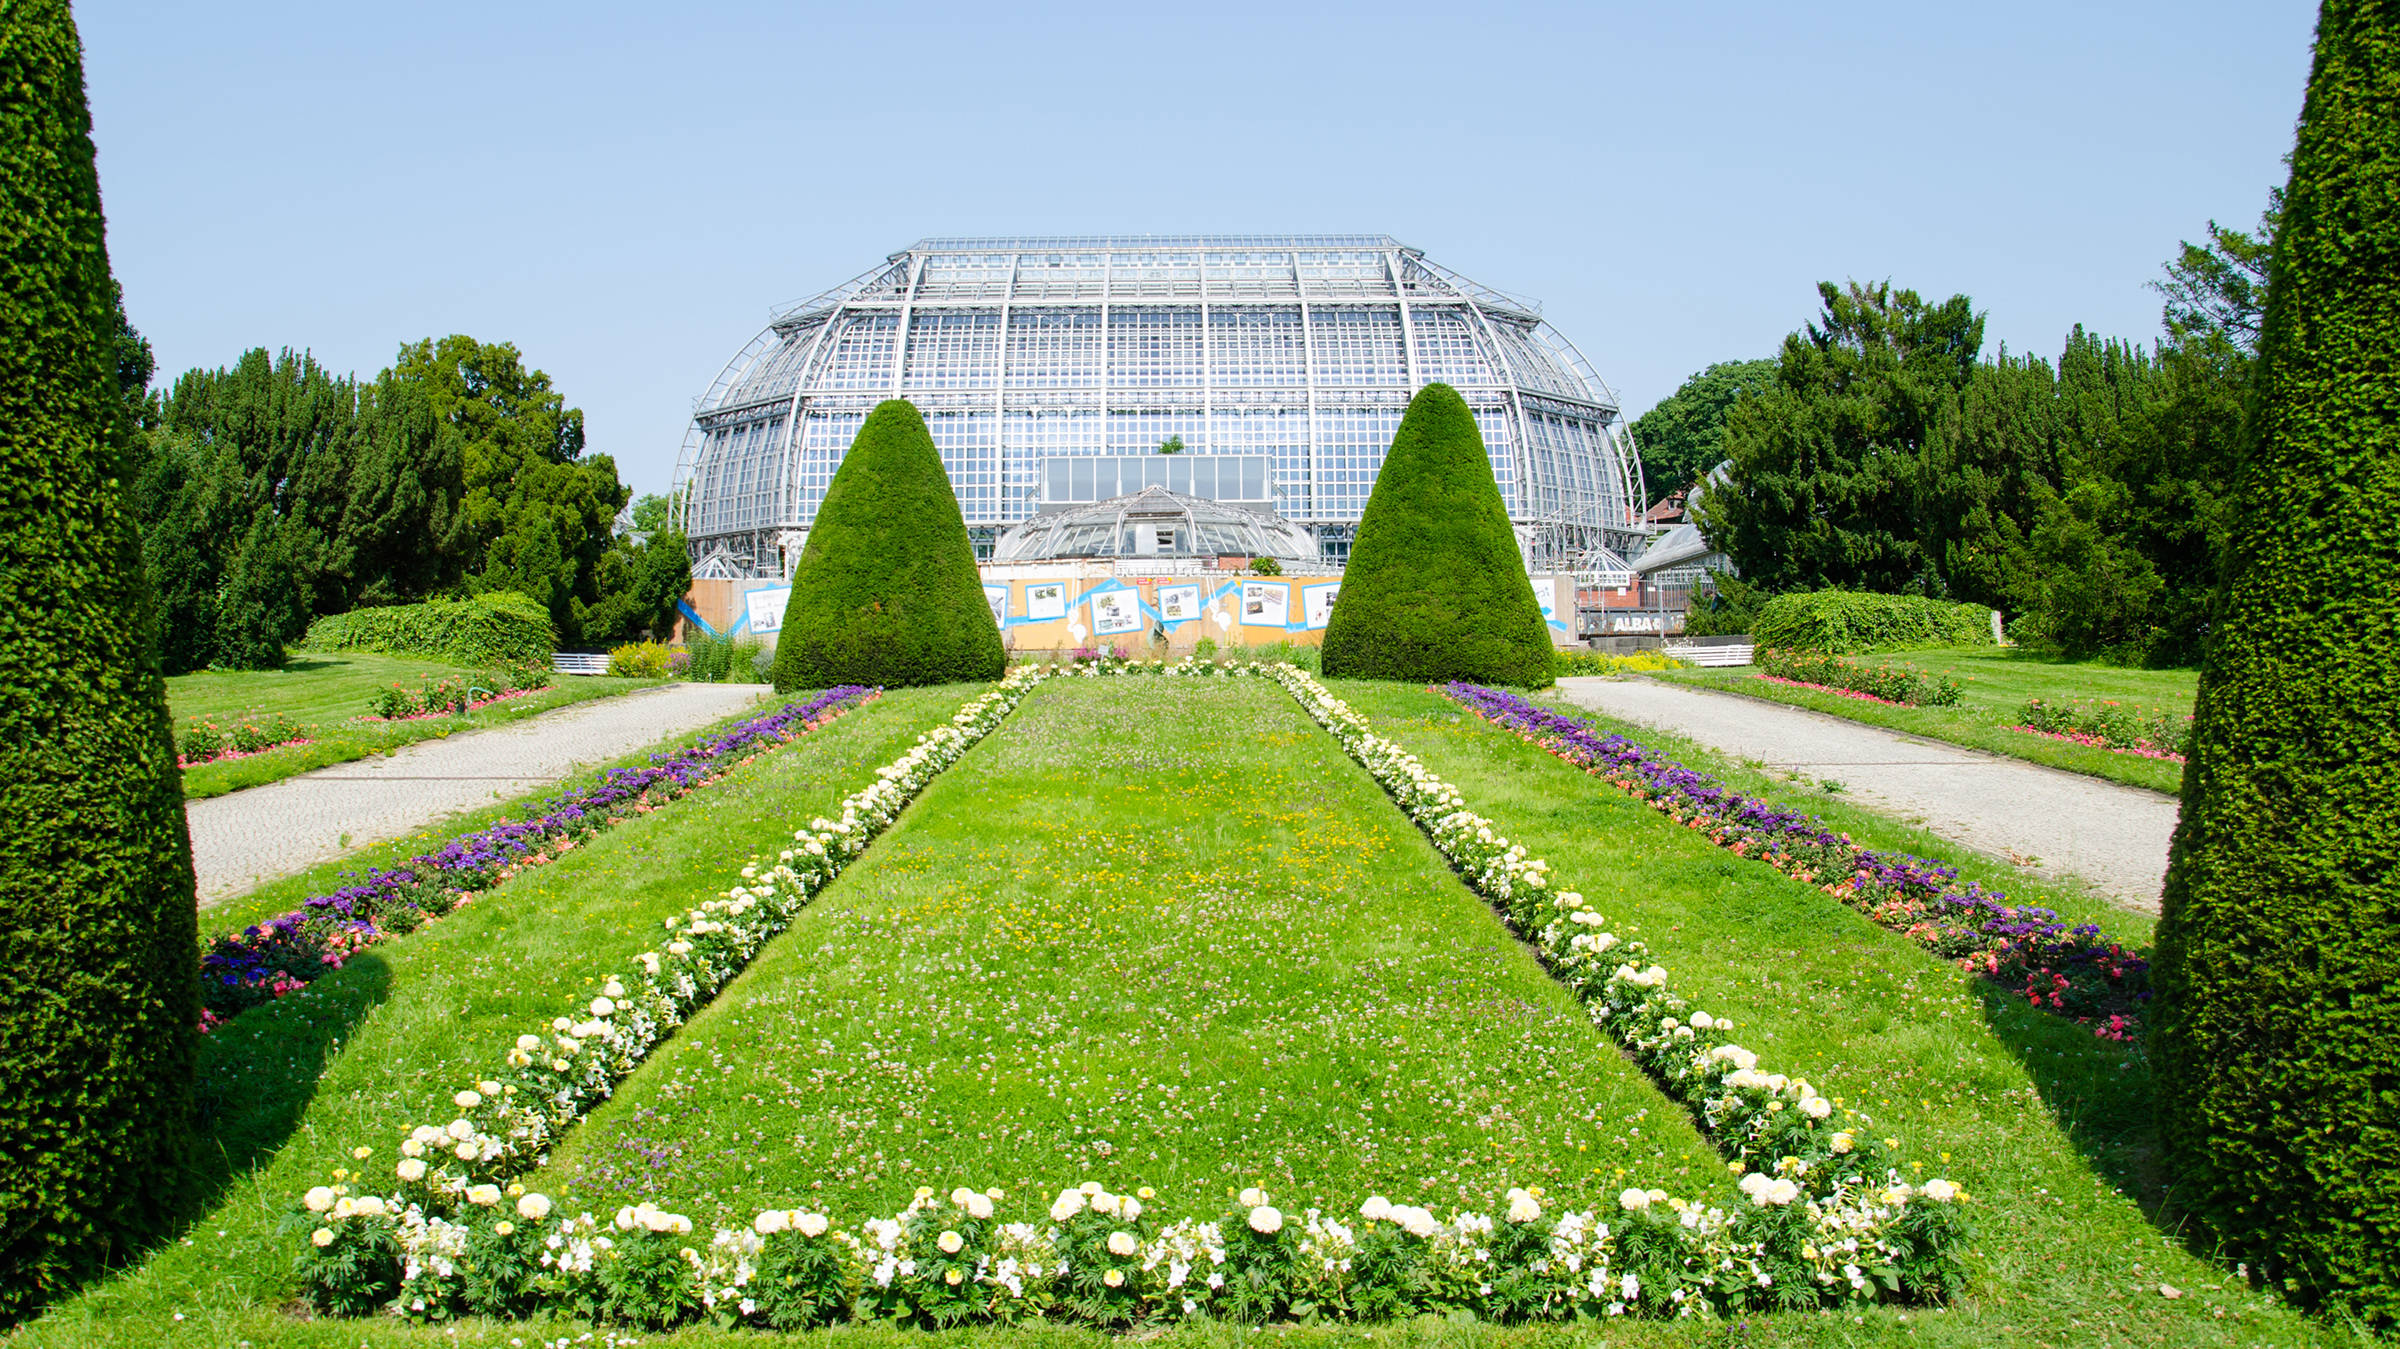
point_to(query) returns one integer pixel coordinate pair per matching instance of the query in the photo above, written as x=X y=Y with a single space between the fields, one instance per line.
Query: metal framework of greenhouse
x=1303 y=349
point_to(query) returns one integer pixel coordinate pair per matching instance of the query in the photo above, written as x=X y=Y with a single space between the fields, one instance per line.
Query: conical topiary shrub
x=2276 y=1036
x=99 y=986
x=1436 y=589
x=886 y=591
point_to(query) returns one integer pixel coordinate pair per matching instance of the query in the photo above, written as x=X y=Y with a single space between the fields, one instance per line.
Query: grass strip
x=291 y=1087
x=2049 y=1126
x=2070 y=969
x=280 y=956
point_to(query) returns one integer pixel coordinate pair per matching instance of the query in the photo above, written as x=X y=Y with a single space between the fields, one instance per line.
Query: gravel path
x=245 y=838
x=2113 y=838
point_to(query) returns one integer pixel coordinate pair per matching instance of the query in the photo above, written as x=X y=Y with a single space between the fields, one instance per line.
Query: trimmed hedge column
x=98 y=933
x=1436 y=589
x=886 y=591
x=2277 y=1035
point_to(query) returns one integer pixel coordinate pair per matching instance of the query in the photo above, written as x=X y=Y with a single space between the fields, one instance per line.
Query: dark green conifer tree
x=2278 y=960
x=886 y=591
x=1436 y=589
x=98 y=989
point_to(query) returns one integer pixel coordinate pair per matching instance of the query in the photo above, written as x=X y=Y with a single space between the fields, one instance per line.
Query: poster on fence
x=997 y=597
x=1116 y=611
x=1316 y=603
x=1545 y=594
x=1178 y=604
x=1045 y=600
x=1265 y=604
x=765 y=608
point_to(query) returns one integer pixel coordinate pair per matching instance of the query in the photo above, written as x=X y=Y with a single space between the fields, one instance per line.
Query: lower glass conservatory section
x=1280 y=365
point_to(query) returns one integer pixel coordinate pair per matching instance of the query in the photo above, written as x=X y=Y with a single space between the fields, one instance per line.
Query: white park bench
x=1713 y=653
x=578 y=663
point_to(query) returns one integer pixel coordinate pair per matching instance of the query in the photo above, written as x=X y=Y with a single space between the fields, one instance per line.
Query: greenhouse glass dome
x=1281 y=363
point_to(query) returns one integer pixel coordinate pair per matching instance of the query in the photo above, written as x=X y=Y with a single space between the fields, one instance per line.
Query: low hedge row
x=488 y=630
x=1849 y=622
x=1890 y=683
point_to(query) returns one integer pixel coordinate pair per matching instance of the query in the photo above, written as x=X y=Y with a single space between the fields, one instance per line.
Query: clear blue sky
x=625 y=190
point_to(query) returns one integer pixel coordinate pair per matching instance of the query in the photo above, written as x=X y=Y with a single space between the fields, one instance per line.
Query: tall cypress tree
x=1436 y=588
x=2279 y=949
x=886 y=591
x=98 y=991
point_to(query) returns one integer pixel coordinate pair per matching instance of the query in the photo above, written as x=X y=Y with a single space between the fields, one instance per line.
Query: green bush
x=1729 y=611
x=724 y=659
x=640 y=660
x=1436 y=589
x=96 y=974
x=495 y=629
x=1892 y=683
x=2278 y=963
x=887 y=592
x=1850 y=621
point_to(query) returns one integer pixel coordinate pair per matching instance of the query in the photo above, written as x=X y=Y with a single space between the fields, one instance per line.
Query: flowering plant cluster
x=205 y=741
x=1107 y=1260
x=503 y=1125
x=1805 y=1155
x=2147 y=731
x=1188 y=668
x=1881 y=683
x=439 y=695
x=268 y=960
x=2071 y=970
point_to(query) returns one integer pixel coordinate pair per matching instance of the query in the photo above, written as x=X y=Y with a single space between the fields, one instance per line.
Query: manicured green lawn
x=1147 y=933
x=329 y=692
x=1996 y=682
x=357 y=1058
x=2048 y=1127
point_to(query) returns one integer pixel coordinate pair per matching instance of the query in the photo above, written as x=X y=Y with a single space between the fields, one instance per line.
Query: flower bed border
x=327 y=929
x=939 y=1264
x=1913 y=896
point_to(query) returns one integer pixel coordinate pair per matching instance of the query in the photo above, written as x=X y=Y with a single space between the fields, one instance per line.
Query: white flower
x=770 y=1222
x=460 y=1130
x=466 y=1152
x=468 y=1100
x=1630 y=1287
x=483 y=1195
x=323 y=1236
x=1815 y=1107
x=1128 y=1207
x=961 y=1195
x=1778 y=1192
x=533 y=1207
x=1121 y=1243
x=603 y=1006
x=1522 y=1207
x=1634 y=1201
x=1416 y=1221
x=1115 y=1278
x=978 y=1206
x=1253 y=1197
x=614 y=990
x=950 y=1242
x=318 y=1199
x=412 y=1169
x=1940 y=1191
x=1842 y=1141
x=812 y=1224
x=1068 y=1204
x=1376 y=1209
x=1266 y=1220
x=1755 y=1185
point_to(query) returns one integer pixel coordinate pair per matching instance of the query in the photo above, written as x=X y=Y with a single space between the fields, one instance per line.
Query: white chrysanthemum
x=1121 y=1243
x=466 y=1152
x=1634 y=1201
x=978 y=1206
x=1815 y=1107
x=1376 y=1209
x=1068 y=1204
x=961 y=1195
x=533 y=1207
x=1128 y=1207
x=603 y=1006
x=812 y=1224
x=1266 y=1220
x=529 y=1043
x=1114 y=1278
x=484 y=1196
x=412 y=1169
x=770 y=1222
x=468 y=1099
x=950 y=1242
x=323 y=1236
x=318 y=1199
x=460 y=1129
x=614 y=990
x=1780 y=1192
x=1940 y=1191
x=1523 y=1208
x=1252 y=1197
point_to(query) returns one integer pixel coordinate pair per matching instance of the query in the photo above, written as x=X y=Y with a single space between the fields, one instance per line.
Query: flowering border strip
x=282 y=955
x=2073 y=971
x=1834 y=689
x=1817 y=1229
x=2090 y=741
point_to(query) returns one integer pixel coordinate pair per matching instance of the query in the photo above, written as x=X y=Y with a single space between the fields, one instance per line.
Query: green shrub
x=204 y=740
x=500 y=628
x=1851 y=621
x=1265 y=566
x=1727 y=611
x=96 y=974
x=639 y=660
x=1891 y=683
x=725 y=659
x=887 y=592
x=2278 y=963
x=1436 y=589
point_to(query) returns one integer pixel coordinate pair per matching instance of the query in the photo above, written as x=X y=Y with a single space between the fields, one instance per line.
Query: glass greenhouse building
x=1281 y=362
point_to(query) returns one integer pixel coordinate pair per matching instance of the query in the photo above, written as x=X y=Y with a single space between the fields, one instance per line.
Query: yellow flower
x=362 y=1152
x=323 y=1236
x=952 y=1278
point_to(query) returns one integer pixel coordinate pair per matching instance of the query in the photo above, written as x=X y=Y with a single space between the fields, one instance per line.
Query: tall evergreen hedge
x=98 y=991
x=1436 y=589
x=886 y=591
x=2277 y=1031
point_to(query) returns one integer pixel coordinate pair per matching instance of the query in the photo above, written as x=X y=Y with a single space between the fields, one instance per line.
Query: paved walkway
x=2113 y=838
x=245 y=838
